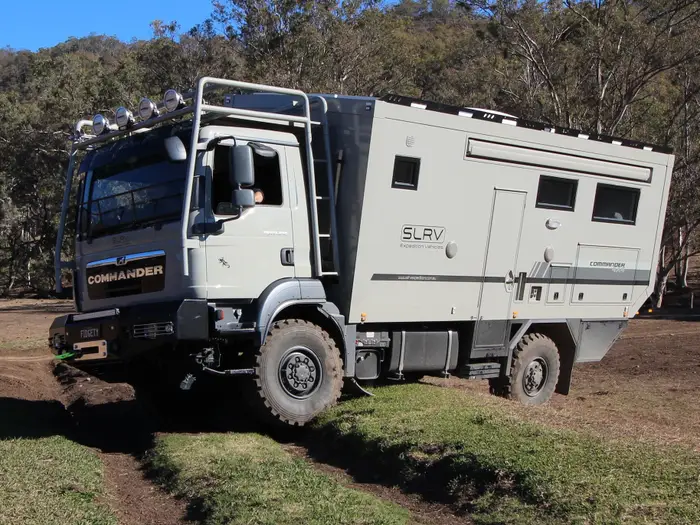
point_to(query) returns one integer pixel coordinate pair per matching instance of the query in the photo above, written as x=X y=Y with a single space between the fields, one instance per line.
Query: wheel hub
x=535 y=377
x=300 y=372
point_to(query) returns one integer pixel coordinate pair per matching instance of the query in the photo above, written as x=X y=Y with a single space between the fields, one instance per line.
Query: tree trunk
x=679 y=263
x=662 y=278
x=661 y=288
x=686 y=264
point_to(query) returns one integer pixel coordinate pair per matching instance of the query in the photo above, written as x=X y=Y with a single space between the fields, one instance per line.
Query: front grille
x=152 y=330
x=111 y=278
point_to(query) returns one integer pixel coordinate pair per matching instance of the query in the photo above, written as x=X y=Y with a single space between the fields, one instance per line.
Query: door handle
x=509 y=281
x=287 y=256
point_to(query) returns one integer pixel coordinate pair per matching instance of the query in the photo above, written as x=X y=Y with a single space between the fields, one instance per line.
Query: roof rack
x=501 y=118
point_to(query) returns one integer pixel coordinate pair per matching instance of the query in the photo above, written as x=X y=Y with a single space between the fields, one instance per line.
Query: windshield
x=132 y=193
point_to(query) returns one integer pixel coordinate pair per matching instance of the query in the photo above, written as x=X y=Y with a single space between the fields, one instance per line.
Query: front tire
x=534 y=372
x=298 y=374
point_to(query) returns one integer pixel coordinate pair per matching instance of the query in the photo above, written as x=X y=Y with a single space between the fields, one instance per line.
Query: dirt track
x=645 y=387
x=119 y=426
x=38 y=399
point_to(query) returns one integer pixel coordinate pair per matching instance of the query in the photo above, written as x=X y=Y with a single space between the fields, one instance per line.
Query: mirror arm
x=220 y=222
x=211 y=144
x=203 y=228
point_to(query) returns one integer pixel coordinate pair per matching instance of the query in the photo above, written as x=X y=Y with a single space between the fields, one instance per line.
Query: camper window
x=557 y=194
x=615 y=204
x=405 y=173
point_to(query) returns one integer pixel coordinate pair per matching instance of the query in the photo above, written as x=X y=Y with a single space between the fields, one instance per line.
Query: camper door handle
x=510 y=280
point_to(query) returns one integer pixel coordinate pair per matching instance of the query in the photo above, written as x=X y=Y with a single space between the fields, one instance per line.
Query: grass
x=48 y=481
x=456 y=448
x=250 y=479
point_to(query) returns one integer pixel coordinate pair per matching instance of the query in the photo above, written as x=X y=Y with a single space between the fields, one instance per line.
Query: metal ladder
x=325 y=227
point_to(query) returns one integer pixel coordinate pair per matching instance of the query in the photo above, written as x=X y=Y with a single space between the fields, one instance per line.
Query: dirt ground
x=645 y=388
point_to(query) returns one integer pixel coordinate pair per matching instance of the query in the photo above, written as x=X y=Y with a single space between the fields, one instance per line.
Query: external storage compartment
x=596 y=338
x=369 y=354
x=423 y=351
x=605 y=275
x=558 y=275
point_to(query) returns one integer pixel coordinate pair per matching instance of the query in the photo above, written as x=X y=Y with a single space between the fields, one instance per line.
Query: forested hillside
x=622 y=67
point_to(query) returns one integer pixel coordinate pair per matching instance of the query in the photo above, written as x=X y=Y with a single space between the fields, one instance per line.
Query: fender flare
x=291 y=292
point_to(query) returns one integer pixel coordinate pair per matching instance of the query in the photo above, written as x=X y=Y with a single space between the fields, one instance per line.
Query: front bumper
x=119 y=334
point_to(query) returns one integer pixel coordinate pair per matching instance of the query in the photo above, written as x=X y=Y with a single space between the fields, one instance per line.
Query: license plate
x=88 y=332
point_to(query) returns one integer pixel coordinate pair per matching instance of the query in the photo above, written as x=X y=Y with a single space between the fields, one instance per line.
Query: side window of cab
x=267 y=186
x=268 y=180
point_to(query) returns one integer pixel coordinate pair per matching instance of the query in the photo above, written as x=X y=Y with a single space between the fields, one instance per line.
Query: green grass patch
x=457 y=447
x=250 y=479
x=49 y=481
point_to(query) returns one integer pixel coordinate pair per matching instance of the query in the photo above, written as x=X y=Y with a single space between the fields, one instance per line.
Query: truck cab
x=189 y=236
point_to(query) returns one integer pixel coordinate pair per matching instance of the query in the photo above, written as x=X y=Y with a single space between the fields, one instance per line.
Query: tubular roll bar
x=204 y=85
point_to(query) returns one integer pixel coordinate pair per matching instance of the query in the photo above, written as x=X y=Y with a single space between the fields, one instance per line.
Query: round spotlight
x=147 y=109
x=173 y=100
x=100 y=124
x=124 y=117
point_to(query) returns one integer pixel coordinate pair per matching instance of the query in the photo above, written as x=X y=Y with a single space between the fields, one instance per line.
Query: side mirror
x=241 y=167
x=176 y=149
x=243 y=198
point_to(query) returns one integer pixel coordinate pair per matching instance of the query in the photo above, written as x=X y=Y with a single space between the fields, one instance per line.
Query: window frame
x=571 y=208
x=631 y=189
x=415 y=162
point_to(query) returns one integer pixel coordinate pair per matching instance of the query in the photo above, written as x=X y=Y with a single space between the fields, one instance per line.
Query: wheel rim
x=535 y=376
x=300 y=372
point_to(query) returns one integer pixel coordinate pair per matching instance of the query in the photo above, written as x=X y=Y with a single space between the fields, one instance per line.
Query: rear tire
x=298 y=374
x=534 y=372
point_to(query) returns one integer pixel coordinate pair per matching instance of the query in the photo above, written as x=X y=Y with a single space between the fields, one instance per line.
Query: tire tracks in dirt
x=423 y=512
x=57 y=400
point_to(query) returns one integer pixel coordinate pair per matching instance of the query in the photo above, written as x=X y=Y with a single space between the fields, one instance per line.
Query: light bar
x=100 y=124
x=123 y=117
x=173 y=100
x=147 y=109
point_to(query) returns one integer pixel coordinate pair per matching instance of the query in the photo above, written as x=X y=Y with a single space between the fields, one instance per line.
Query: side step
x=481 y=370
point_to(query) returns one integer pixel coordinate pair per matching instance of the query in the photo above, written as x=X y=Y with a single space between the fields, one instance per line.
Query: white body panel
x=398 y=281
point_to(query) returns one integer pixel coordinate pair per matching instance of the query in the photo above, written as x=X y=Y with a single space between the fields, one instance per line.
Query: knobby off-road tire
x=298 y=374
x=534 y=372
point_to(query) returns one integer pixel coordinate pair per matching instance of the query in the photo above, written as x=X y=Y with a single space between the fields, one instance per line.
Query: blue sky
x=33 y=24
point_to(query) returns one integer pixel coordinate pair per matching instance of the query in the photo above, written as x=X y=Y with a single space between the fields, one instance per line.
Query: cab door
x=256 y=249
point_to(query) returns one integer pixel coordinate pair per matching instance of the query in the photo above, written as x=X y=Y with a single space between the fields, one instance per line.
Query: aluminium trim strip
x=96 y=315
x=127 y=258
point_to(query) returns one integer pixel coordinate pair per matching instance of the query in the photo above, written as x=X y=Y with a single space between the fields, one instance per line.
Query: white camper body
x=420 y=238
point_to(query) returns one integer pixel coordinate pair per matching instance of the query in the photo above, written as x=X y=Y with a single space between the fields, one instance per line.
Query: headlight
x=173 y=100
x=124 y=117
x=99 y=124
x=147 y=109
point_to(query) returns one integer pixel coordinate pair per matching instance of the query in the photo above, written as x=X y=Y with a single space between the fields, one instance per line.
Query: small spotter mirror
x=262 y=150
x=176 y=149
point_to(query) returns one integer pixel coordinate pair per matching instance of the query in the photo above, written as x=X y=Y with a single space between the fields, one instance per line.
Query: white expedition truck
x=303 y=242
